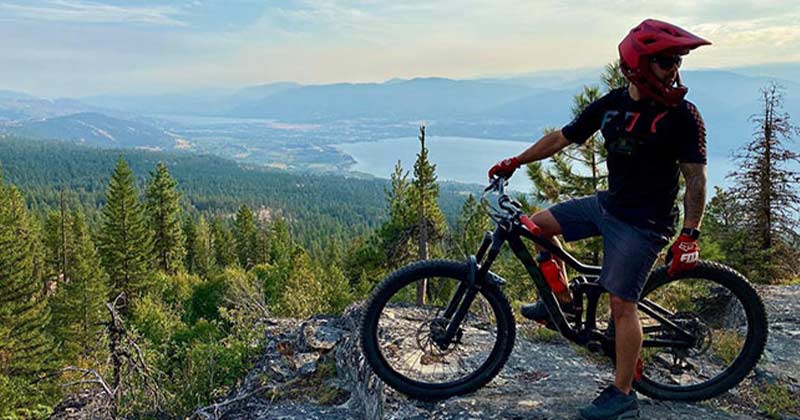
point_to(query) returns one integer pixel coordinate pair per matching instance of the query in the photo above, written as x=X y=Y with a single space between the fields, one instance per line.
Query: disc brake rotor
x=430 y=335
x=691 y=323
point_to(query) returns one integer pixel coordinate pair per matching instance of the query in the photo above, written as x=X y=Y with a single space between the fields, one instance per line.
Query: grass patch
x=726 y=345
x=540 y=334
x=776 y=401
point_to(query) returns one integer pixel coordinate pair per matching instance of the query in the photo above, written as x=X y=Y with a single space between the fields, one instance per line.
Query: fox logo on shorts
x=690 y=257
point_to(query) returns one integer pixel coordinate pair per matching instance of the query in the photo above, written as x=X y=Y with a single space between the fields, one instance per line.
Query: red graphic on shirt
x=656 y=120
x=635 y=116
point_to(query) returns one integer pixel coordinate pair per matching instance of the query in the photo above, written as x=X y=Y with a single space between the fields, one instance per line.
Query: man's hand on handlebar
x=505 y=168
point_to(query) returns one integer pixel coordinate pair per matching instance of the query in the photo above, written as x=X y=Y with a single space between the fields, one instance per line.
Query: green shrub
x=205 y=301
x=20 y=399
x=154 y=320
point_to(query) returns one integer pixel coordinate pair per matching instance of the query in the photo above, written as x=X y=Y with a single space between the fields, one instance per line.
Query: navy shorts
x=628 y=251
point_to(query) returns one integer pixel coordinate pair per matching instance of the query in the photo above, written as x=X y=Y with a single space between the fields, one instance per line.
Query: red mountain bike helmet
x=654 y=37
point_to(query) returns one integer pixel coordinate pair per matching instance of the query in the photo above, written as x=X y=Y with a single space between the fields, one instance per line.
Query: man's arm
x=694 y=200
x=547 y=146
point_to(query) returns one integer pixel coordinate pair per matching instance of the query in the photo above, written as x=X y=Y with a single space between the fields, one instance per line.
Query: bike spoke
x=696 y=312
x=411 y=347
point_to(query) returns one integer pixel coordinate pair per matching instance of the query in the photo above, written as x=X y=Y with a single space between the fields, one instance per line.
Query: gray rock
x=319 y=333
x=306 y=363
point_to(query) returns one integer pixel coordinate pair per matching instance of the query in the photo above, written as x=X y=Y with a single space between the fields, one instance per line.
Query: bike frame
x=584 y=331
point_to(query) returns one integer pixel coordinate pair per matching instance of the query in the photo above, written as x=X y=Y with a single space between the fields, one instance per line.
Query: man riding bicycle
x=651 y=134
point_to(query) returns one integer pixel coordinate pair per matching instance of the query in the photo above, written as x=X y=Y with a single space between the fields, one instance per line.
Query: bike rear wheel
x=727 y=323
x=398 y=336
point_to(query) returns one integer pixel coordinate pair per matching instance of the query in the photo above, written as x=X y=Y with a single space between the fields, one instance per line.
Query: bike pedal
x=594 y=347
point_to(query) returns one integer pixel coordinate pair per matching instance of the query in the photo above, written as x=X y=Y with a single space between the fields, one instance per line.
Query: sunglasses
x=667 y=61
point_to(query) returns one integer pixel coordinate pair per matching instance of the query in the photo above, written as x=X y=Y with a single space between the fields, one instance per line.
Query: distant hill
x=21 y=106
x=422 y=98
x=785 y=71
x=203 y=103
x=96 y=130
x=10 y=94
x=509 y=107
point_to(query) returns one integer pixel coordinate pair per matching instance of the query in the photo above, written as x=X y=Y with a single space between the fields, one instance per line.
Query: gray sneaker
x=612 y=404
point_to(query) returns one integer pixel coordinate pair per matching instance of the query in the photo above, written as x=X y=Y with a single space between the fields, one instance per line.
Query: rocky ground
x=313 y=369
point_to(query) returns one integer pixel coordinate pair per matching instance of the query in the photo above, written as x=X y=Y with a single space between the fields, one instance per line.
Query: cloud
x=235 y=43
x=90 y=12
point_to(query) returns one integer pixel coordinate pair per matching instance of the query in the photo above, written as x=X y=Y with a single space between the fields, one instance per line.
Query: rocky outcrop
x=314 y=369
x=546 y=378
x=781 y=359
x=311 y=369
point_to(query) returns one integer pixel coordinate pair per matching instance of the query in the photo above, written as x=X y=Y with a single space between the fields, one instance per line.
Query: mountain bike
x=704 y=329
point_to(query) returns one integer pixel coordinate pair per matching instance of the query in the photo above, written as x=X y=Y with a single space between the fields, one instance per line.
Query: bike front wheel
x=721 y=323
x=401 y=339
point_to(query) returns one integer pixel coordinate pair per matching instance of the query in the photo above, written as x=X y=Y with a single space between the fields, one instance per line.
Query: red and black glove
x=683 y=254
x=504 y=168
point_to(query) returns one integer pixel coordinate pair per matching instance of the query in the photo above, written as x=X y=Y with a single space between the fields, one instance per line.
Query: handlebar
x=512 y=208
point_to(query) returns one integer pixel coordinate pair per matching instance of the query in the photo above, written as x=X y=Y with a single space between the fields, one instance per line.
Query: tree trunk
x=63 y=239
x=422 y=285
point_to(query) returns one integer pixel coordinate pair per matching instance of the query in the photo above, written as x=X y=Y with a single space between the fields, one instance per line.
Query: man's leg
x=628 y=336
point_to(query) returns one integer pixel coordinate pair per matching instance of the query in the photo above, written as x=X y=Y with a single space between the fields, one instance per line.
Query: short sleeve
x=693 y=144
x=587 y=122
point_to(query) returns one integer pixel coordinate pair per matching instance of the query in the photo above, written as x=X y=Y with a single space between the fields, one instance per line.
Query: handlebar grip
x=528 y=223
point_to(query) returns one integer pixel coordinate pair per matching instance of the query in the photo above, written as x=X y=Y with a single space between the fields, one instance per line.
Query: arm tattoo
x=694 y=199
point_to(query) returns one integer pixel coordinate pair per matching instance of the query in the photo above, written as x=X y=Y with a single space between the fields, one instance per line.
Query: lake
x=459 y=159
x=465 y=159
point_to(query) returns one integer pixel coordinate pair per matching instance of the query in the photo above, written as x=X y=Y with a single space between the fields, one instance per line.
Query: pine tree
x=203 y=261
x=562 y=181
x=223 y=243
x=164 y=216
x=336 y=288
x=768 y=189
x=263 y=244
x=423 y=201
x=79 y=312
x=124 y=241
x=55 y=243
x=612 y=77
x=472 y=225
x=396 y=232
x=303 y=293
x=189 y=232
x=282 y=247
x=26 y=351
x=246 y=237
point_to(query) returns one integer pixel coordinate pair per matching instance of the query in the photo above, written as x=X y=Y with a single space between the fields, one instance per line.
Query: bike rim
x=405 y=329
x=722 y=327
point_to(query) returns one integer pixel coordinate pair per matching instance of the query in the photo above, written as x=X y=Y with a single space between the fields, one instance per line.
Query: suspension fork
x=462 y=299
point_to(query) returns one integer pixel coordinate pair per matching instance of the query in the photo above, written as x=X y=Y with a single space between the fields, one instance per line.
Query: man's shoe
x=612 y=404
x=538 y=311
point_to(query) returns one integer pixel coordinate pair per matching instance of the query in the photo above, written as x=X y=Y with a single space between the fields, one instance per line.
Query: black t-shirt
x=645 y=143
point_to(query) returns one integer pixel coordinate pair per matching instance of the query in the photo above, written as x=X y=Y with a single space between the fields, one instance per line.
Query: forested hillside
x=150 y=274
x=319 y=208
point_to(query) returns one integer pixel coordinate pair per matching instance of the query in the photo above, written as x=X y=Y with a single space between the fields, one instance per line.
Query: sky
x=75 y=48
